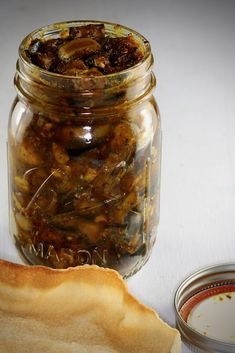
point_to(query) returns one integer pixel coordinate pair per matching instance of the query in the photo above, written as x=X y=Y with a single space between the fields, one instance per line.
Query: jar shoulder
x=20 y=117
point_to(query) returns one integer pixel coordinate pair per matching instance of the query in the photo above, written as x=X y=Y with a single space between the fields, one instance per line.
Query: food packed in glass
x=84 y=148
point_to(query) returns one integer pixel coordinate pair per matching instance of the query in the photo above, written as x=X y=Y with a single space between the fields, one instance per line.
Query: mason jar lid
x=205 y=308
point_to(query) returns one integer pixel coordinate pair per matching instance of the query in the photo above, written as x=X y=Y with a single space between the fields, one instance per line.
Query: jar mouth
x=113 y=29
x=42 y=87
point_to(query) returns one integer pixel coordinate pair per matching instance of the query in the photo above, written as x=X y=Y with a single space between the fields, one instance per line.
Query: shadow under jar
x=84 y=162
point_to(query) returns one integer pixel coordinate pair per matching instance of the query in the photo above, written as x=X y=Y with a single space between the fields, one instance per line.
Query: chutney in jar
x=84 y=148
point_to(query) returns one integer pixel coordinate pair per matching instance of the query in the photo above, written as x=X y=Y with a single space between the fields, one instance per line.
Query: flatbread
x=85 y=309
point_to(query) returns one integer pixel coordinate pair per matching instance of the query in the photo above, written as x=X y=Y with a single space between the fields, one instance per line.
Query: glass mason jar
x=84 y=162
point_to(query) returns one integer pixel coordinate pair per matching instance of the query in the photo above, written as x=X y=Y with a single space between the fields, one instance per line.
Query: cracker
x=85 y=309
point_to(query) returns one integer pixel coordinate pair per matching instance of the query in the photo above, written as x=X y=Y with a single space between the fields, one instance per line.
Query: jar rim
x=60 y=26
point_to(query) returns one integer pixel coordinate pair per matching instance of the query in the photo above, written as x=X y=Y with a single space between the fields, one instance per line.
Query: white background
x=194 y=47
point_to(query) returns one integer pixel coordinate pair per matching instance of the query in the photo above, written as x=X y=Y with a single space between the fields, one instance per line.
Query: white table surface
x=194 y=47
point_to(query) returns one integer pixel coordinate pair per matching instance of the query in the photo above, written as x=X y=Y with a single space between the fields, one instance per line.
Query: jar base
x=125 y=269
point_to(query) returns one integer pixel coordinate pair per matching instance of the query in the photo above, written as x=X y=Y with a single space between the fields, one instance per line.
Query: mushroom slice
x=77 y=48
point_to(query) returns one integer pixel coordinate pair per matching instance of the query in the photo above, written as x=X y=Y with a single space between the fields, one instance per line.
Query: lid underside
x=205 y=307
